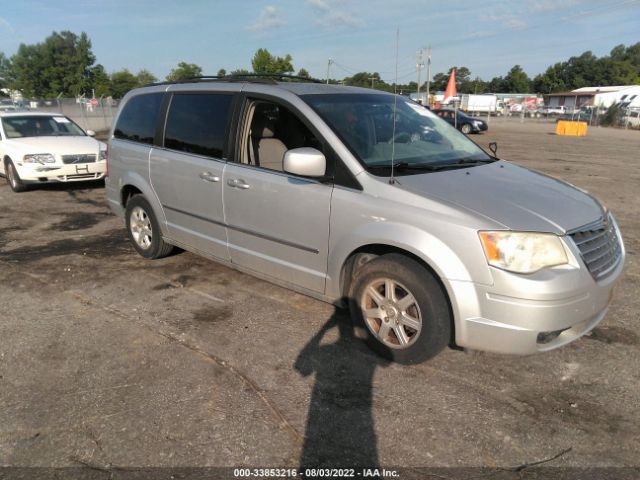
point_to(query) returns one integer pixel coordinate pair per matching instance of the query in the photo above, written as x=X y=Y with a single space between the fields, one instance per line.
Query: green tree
x=365 y=79
x=303 y=73
x=60 y=64
x=145 y=77
x=222 y=72
x=121 y=82
x=240 y=71
x=99 y=81
x=551 y=81
x=517 y=81
x=264 y=62
x=184 y=70
x=629 y=54
x=496 y=85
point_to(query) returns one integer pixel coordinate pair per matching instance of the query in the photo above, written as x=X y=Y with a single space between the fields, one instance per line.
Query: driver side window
x=270 y=130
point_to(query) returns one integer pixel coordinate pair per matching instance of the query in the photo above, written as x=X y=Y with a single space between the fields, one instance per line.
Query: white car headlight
x=41 y=158
x=522 y=252
x=103 y=154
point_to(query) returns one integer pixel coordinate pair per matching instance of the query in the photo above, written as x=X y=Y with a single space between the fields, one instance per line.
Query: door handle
x=235 y=183
x=209 y=177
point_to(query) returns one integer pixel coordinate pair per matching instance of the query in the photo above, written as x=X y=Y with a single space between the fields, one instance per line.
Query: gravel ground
x=108 y=360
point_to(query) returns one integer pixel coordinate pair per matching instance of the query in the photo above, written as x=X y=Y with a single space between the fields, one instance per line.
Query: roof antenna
x=392 y=179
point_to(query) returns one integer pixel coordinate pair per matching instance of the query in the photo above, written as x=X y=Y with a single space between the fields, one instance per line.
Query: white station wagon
x=40 y=147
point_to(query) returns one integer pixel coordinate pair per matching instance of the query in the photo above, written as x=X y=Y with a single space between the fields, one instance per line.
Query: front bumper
x=483 y=127
x=37 y=173
x=526 y=314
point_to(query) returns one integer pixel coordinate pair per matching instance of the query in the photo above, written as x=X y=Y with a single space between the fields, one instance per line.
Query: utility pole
x=420 y=65
x=328 y=68
x=428 y=74
x=373 y=79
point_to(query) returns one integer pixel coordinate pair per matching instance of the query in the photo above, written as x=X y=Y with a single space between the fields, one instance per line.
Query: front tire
x=13 y=179
x=466 y=129
x=402 y=307
x=143 y=229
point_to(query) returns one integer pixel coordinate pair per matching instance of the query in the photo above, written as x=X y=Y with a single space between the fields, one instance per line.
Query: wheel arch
x=128 y=191
x=134 y=184
x=367 y=252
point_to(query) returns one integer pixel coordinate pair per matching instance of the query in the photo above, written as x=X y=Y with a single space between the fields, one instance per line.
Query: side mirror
x=493 y=146
x=91 y=133
x=306 y=161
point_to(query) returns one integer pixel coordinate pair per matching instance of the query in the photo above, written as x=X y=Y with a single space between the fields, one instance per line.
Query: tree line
x=64 y=64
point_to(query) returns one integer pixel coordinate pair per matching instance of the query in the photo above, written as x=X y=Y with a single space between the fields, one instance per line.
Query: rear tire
x=401 y=307
x=13 y=179
x=144 y=230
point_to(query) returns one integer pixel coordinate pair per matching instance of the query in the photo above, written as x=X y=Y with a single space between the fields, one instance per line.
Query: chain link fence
x=91 y=114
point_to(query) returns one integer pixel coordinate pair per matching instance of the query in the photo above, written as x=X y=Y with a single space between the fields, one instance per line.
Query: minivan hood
x=514 y=196
x=56 y=145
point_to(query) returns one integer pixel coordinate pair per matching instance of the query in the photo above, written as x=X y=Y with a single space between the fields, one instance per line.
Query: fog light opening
x=548 y=337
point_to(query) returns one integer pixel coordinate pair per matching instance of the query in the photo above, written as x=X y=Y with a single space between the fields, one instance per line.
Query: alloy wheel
x=391 y=313
x=141 y=230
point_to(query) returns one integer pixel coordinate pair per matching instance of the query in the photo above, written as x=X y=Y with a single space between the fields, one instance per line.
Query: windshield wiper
x=405 y=166
x=462 y=163
x=470 y=161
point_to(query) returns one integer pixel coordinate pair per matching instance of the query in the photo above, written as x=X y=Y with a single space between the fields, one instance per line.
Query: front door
x=277 y=223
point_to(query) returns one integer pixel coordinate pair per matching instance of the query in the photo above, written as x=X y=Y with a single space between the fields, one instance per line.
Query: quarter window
x=137 y=122
x=197 y=123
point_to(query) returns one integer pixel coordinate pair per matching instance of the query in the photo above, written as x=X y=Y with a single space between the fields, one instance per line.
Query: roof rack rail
x=241 y=77
x=282 y=76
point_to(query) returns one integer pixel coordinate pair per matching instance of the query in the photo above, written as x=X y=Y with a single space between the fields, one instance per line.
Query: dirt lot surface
x=107 y=359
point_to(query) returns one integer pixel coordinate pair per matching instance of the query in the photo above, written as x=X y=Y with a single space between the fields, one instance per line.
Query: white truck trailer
x=480 y=104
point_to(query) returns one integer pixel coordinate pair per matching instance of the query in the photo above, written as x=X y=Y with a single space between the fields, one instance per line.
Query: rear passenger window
x=137 y=122
x=197 y=123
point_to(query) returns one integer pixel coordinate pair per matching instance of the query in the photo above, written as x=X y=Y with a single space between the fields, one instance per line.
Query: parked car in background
x=43 y=147
x=585 y=114
x=548 y=110
x=462 y=121
x=365 y=199
x=7 y=105
x=632 y=119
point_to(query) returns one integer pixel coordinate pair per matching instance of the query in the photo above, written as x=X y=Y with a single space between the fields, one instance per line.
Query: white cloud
x=544 y=6
x=267 y=20
x=331 y=16
x=509 y=20
x=5 y=24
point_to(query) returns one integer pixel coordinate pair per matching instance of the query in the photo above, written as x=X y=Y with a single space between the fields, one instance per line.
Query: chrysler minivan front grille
x=599 y=247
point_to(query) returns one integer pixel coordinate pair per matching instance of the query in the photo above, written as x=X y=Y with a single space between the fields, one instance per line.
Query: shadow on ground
x=340 y=430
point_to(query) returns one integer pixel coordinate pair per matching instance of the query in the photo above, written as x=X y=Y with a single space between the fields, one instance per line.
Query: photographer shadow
x=340 y=431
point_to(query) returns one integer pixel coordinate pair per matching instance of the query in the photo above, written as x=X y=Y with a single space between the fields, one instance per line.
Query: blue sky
x=489 y=37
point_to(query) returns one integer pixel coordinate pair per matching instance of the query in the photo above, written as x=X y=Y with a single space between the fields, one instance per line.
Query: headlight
x=39 y=158
x=522 y=252
x=103 y=154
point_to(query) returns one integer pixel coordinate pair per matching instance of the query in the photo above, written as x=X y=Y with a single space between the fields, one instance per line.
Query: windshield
x=40 y=126
x=364 y=122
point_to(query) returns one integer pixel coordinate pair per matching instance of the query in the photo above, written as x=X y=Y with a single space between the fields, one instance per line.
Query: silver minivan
x=365 y=199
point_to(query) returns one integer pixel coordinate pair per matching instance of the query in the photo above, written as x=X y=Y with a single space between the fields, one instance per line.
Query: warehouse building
x=627 y=95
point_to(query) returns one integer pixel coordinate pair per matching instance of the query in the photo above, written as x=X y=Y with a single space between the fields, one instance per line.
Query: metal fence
x=91 y=114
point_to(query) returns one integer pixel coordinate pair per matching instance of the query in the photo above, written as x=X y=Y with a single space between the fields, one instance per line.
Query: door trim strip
x=247 y=231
